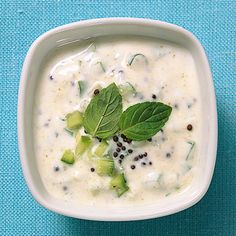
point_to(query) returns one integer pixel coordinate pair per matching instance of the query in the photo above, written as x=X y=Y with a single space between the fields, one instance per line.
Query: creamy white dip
x=167 y=73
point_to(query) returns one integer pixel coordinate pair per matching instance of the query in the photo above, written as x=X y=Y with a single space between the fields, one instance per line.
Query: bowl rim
x=20 y=115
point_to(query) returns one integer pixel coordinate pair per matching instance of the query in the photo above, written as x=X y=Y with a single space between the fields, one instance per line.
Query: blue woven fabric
x=212 y=21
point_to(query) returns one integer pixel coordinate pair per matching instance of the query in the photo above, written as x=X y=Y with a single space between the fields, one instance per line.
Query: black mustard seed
x=65 y=188
x=168 y=154
x=119 y=144
x=130 y=150
x=115 y=138
x=96 y=92
x=99 y=139
x=140 y=156
x=189 y=127
x=125 y=140
x=56 y=168
x=129 y=141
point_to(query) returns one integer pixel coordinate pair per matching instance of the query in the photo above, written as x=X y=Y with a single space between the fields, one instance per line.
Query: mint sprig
x=143 y=120
x=103 y=116
x=103 y=113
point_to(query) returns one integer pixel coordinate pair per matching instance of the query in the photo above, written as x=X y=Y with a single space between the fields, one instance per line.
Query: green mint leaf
x=143 y=120
x=101 y=117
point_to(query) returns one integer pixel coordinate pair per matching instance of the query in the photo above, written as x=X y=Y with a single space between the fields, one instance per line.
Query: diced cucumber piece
x=105 y=166
x=90 y=155
x=126 y=89
x=100 y=150
x=74 y=120
x=82 y=87
x=118 y=183
x=82 y=145
x=68 y=157
x=77 y=137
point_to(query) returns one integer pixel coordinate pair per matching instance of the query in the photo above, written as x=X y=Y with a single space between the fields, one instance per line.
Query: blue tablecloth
x=212 y=21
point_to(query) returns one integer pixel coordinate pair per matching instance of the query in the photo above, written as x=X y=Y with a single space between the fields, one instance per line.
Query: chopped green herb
x=102 y=66
x=70 y=132
x=133 y=57
x=68 y=157
x=159 y=178
x=192 y=143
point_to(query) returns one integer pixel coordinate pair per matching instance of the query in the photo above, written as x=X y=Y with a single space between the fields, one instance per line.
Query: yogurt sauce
x=167 y=73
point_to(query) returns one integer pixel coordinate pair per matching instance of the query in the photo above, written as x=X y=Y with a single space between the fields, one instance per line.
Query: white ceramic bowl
x=116 y=26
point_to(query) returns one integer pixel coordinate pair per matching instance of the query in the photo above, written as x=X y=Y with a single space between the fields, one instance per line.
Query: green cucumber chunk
x=82 y=87
x=118 y=183
x=82 y=145
x=101 y=149
x=105 y=166
x=68 y=157
x=74 y=120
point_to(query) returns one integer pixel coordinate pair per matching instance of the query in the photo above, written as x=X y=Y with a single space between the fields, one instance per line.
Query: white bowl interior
x=84 y=30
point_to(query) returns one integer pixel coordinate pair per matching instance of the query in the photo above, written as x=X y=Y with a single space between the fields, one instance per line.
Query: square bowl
x=103 y=27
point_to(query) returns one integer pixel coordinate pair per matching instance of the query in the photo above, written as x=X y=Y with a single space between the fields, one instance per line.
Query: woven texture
x=212 y=21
